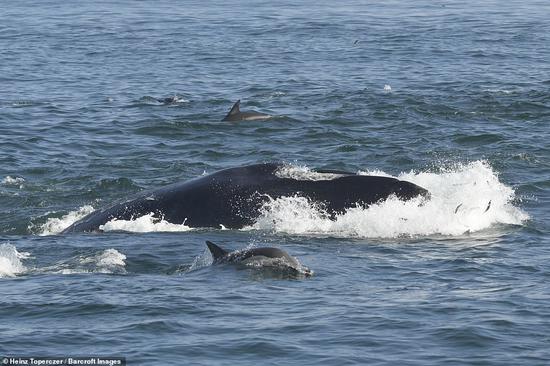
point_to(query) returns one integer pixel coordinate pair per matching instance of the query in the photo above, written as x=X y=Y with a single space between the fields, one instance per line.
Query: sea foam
x=55 y=225
x=464 y=199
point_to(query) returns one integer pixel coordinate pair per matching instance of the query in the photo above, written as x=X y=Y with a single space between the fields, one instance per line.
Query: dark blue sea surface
x=451 y=95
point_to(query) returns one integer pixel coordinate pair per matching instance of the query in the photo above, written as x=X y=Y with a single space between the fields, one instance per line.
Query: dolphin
x=265 y=257
x=235 y=197
x=171 y=100
x=235 y=114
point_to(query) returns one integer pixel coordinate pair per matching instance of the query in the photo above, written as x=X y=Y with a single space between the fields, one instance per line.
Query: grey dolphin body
x=235 y=114
x=267 y=256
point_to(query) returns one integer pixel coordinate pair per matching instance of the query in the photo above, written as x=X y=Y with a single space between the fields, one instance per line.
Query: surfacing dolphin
x=235 y=114
x=234 y=197
x=259 y=257
x=171 y=100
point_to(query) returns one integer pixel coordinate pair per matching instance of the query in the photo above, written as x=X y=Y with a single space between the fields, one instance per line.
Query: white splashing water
x=9 y=180
x=111 y=257
x=303 y=173
x=107 y=259
x=143 y=224
x=459 y=201
x=10 y=261
x=55 y=225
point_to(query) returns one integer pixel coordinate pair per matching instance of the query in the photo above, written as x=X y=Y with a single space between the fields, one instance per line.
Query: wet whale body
x=236 y=115
x=234 y=197
x=260 y=257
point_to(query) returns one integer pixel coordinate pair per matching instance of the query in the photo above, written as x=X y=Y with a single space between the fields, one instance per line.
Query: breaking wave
x=10 y=261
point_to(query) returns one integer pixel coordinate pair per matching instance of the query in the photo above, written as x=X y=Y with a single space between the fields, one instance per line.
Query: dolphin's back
x=235 y=114
x=259 y=253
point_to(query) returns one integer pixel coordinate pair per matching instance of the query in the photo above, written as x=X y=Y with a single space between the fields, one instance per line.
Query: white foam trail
x=303 y=173
x=56 y=225
x=143 y=224
x=467 y=189
x=10 y=261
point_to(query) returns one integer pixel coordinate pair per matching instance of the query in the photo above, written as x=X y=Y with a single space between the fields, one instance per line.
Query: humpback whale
x=234 y=197
x=235 y=114
x=265 y=257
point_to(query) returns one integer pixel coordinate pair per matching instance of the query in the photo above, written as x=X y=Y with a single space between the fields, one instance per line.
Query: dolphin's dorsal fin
x=235 y=109
x=233 y=114
x=215 y=250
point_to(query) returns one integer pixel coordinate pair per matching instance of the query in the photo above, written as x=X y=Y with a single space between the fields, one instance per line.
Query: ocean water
x=453 y=96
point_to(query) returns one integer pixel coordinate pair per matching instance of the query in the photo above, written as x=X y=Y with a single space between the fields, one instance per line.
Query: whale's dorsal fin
x=215 y=250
